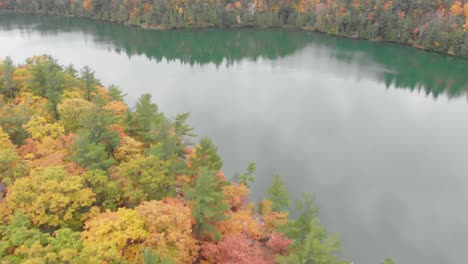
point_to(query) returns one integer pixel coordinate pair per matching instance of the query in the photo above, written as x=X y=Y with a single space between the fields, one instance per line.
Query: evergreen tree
x=278 y=195
x=248 y=176
x=206 y=156
x=97 y=123
x=93 y=147
x=47 y=81
x=145 y=118
x=90 y=82
x=90 y=154
x=8 y=85
x=115 y=93
x=207 y=204
x=182 y=129
x=311 y=245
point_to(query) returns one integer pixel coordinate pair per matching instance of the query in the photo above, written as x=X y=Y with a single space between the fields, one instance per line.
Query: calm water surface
x=378 y=132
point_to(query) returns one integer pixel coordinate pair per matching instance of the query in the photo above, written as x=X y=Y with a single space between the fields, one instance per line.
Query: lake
x=378 y=132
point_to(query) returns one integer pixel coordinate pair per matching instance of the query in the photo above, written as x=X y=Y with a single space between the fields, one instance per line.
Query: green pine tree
x=89 y=153
x=207 y=207
x=278 y=194
x=90 y=82
x=8 y=88
x=311 y=245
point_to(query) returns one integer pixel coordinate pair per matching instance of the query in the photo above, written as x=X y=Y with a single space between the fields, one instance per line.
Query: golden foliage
x=50 y=197
x=169 y=225
x=114 y=237
x=457 y=8
x=128 y=149
x=236 y=195
x=72 y=111
x=119 y=108
x=39 y=128
x=271 y=220
x=241 y=222
x=35 y=104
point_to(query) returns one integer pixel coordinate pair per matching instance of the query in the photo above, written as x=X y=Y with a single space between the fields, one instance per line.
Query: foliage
x=72 y=112
x=39 y=128
x=47 y=81
x=128 y=149
x=143 y=179
x=272 y=220
x=207 y=204
x=278 y=195
x=311 y=243
x=90 y=82
x=278 y=243
x=234 y=249
x=50 y=197
x=388 y=261
x=236 y=195
x=114 y=237
x=241 y=222
x=144 y=118
x=248 y=176
x=169 y=225
x=108 y=192
x=12 y=120
x=149 y=257
x=19 y=236
x=95 y=142
x=115 y=93
x=11 y=165
x=8 y=86
x=89 y=154
x=205 y=155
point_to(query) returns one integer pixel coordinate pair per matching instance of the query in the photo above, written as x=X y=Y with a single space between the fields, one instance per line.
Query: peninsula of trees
x=428 y=24
x=85 y=179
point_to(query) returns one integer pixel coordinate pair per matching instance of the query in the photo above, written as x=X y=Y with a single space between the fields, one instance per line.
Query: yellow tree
x=128 y=149
x=169 y=225
x=114 y=237
x=241 y=222
x=11 y=165
x=50 y=197
x=39 y=128
x=271 y=219
x=236 y=195
x=72 y=112
x=45 y=152
x=119 y=109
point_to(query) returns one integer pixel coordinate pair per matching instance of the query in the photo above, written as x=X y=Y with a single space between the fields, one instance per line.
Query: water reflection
x=406 y=68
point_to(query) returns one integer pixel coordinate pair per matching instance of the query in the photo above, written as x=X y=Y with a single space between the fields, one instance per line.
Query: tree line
x=433 y=25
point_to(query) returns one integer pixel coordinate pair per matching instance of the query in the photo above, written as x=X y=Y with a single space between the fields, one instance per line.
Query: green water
x=376 y=131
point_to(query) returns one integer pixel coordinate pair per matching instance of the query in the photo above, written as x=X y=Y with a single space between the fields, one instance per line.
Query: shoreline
x=250 y=26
